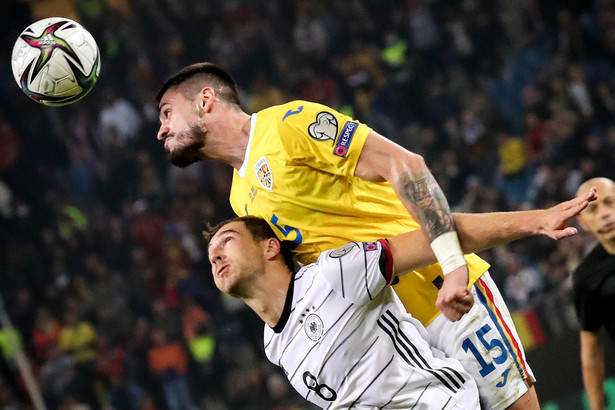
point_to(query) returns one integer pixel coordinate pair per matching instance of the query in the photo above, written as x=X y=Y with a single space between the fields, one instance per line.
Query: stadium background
x=101 y=261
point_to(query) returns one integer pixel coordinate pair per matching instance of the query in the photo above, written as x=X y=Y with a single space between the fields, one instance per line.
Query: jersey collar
x=244 y=166
x=288 y=304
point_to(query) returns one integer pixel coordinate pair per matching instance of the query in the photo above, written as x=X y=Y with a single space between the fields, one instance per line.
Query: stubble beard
x=241 y=286
x=238 y=289
x=193 y=151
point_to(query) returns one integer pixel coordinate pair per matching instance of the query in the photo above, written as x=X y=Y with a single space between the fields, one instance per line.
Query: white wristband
x=448 y=252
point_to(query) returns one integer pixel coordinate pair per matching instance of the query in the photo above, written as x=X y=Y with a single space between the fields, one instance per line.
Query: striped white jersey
x=345 y=340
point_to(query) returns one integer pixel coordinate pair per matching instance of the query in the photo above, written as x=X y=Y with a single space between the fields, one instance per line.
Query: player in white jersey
x=336 y=327
x=345 y=340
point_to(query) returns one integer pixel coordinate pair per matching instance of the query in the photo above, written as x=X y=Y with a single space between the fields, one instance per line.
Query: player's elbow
x=408 y=162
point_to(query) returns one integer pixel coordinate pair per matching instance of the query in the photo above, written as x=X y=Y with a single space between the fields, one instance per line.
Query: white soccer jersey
x=346 y=341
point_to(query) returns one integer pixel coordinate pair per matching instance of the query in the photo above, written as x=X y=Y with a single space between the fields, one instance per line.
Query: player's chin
x=182 y=159
x=183 y=156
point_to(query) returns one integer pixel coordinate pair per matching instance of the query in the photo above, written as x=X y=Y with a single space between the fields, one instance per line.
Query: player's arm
x=481 y=231
x=592 y=364
x=382 y=159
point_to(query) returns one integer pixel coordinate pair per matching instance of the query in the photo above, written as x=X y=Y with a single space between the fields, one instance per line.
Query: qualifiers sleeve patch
x=345 y=138
x=324 y=128
x=342 y=250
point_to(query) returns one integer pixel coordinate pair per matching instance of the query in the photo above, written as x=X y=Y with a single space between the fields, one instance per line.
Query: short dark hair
x=195 y=76
x=260 y=230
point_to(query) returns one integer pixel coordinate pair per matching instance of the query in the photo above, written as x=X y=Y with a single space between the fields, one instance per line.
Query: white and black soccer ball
x=55 y=61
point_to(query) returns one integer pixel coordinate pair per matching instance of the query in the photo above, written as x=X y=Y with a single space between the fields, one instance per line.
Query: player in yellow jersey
x=300 y=178
x=322 y=179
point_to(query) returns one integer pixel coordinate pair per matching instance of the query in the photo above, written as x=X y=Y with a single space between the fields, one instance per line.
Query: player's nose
x=163 y=131
x=214 y=256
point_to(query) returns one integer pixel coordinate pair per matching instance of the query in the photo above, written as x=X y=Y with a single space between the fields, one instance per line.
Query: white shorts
x=486 y=343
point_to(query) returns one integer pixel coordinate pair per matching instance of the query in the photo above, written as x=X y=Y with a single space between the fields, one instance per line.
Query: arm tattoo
x=428 y=203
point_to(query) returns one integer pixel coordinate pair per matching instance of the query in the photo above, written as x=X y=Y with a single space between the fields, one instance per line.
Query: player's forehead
x=608 y=188
x=232 y=228
x=172 y=97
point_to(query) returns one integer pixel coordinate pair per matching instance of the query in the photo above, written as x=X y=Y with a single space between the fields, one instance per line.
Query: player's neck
x=609 y=246
x=268 y=296
x=228 y=141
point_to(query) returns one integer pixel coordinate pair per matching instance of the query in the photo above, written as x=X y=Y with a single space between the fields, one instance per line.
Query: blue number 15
x=494 y=344
x=287 y=229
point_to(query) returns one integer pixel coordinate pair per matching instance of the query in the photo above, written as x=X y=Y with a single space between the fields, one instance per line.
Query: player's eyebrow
x=223 y=232
x=162 y=104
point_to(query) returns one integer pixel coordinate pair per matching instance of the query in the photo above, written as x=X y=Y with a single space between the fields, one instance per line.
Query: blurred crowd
x=103 y=269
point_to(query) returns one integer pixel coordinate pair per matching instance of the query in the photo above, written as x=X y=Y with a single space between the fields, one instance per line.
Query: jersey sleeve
x=358 y=270
x=321 y=137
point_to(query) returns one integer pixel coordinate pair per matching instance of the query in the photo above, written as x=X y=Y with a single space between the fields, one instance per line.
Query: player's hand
x=555 y=220
x=454 y=299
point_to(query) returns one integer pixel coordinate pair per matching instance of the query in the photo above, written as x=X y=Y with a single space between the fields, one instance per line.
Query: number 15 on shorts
x=490 y=344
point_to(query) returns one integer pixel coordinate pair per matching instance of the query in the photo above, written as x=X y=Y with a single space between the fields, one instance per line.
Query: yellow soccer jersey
x=298 y=174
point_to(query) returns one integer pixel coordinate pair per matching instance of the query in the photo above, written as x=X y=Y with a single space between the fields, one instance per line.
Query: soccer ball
x=55 y=61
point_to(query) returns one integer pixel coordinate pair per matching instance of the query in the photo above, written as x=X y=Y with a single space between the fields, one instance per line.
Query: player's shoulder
x=294 y=109
x=351 y=254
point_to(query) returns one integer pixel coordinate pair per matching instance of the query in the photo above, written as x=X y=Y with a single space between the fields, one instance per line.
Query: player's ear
x=273 y=248
x=207 y=97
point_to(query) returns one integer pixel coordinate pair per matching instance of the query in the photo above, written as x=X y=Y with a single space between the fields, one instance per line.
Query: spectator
x=169 y=363
x=46 y=332
x=119 y=121
x=54 y=374
x=78 y=338
x=124 y=394
x=521 y=285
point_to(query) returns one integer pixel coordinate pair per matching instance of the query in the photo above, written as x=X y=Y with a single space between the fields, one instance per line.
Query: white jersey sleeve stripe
x=456 y=373
x=407 y=360
x=427 y=366
x=403 y=344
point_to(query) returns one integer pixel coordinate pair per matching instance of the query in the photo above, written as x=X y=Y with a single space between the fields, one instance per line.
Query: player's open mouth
x=222 y=270
x=607 y=228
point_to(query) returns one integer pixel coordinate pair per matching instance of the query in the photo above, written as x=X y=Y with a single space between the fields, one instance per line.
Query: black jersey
x=594 y=291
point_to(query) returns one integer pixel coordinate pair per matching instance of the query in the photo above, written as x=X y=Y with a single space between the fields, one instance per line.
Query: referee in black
x=594 y=286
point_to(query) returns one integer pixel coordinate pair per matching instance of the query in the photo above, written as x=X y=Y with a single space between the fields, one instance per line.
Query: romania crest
x=263 y=173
